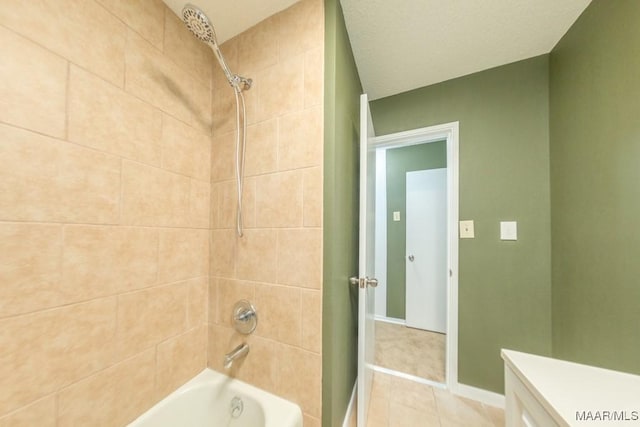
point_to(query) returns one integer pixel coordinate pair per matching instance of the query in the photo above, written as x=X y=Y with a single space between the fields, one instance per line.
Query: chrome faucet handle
x=244 y=317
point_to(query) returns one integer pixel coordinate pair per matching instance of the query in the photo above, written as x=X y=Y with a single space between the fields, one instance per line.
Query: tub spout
x=240 y=351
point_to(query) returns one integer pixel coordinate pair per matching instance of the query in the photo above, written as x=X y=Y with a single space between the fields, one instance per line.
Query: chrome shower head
x=198 y=23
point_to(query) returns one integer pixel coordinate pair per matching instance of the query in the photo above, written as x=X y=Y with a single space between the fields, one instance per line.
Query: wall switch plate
x=396 y=216
x=508 y=230
x=466 y=230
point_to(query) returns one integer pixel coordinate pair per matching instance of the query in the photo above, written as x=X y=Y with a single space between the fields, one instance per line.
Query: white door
x=366 y=281
x=426 y=256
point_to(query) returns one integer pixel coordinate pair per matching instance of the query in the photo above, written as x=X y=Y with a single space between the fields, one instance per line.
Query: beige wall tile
x=280 y=314
x=100 y=261
x=280 y=89
x=33 y=85
x=214 y=210
x=198 y=302
x=300 y=142
x=145 y=318
x=183 y=254
x=154 y=197
x=185 y=150
x=301 y=378
x=223 y=105
x=117 y=394
x=30 y=267
x=44 y=351
x=256 y=258
x=180 y=359
x=186 y=50
x=312 y=197
x=230 y=292
x=41 y=413
x=259 y=367
x=146 y=17
x=311 y=304
x=258 y=47
x=201 y=106
x=262 y=148
x=314 y=77
x=212 y=309
x=300 y=257
x=43 y=179
x=199 y=204
x=78 y=30
x=223 y=253
x=156 y=79
x=223 y=159
x=106 y=118
x=301 y=28
x=228 y=203
x=279 y=199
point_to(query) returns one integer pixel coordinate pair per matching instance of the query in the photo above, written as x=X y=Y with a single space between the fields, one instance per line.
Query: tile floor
x=412 y=351
x=397 y=402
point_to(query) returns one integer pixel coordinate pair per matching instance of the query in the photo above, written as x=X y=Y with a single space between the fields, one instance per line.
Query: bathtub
x=212 y=399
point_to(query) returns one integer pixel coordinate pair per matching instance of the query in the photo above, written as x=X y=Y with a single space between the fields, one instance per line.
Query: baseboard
x=485 y=396
x=352 y=405
x=390 y=320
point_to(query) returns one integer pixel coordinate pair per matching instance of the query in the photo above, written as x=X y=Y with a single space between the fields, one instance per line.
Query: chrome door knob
x=411 y=258
x=373 y=282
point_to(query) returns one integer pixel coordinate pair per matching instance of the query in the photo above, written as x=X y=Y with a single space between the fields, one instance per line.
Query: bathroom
x=117 y=206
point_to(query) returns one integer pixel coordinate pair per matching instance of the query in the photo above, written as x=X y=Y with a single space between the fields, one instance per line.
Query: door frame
x=450 y=133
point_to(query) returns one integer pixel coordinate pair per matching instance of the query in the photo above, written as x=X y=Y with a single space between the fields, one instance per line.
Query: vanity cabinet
x=546 y=392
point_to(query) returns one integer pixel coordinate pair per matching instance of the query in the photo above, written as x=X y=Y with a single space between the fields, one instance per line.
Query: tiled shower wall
x=104 y=209
x=278 y=263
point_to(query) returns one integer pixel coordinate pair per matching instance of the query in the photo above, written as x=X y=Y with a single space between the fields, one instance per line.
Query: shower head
x=198 y=23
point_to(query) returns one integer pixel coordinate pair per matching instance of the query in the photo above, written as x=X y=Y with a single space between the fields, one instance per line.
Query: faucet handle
x=244 y=317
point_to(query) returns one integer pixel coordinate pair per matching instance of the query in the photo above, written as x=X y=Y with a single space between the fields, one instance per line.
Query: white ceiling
x=401 y=45
x=231 y=17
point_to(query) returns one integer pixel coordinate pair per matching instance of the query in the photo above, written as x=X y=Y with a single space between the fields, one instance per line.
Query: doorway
x=416 y=299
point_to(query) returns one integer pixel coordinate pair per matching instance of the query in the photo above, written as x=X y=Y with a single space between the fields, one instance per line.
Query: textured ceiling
x=401 y=45
x=231 y=17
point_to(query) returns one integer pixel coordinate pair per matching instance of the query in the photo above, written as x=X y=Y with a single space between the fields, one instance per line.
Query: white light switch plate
x=508 y=230
x=466 y=230
x=396 y=216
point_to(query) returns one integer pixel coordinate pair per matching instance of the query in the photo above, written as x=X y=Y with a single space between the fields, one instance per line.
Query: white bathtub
x=206 y=400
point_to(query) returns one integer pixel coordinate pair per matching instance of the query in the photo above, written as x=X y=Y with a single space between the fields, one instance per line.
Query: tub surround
x=105 y=141
x=277 y=265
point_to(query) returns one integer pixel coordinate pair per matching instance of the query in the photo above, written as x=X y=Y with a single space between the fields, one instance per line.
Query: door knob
x=364 y=282
x=411 y=258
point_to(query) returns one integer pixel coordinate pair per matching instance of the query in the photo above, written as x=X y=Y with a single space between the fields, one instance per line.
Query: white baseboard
x=352 y=405
x=485 y=396
x=391 y=320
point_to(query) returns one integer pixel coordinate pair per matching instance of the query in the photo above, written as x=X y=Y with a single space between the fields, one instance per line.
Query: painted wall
x=105 y=139
x=504 y=287
x=342 y=92
x=399 y=162
x=278 y=262
x=595 y=135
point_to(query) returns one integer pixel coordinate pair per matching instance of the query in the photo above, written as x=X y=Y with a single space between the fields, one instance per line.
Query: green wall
x=504 y=287
x=595 y=187
x=341 y=133
x=399 y=162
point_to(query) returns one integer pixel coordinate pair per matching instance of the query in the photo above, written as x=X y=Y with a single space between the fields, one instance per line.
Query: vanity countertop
x=567 y=388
